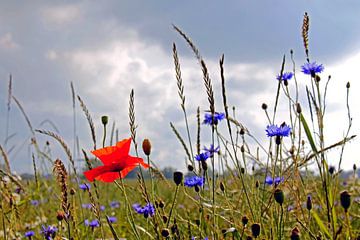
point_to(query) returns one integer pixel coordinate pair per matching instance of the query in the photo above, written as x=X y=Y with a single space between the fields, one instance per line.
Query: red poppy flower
x=117 y=162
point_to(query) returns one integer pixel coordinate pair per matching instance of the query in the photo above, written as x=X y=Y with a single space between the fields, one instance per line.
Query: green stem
x=172 y=206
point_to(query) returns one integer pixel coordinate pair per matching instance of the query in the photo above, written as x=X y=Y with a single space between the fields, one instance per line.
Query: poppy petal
x=113 y=154
x=108 y=177
x=93 y=173
x=135 y=160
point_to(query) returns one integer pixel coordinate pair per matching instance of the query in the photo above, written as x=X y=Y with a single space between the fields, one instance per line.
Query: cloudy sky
x=107 y=49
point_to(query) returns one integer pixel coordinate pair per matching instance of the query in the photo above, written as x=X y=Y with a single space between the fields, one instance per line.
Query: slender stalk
x=172 y=206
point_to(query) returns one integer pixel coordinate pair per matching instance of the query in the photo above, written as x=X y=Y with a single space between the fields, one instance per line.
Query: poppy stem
x=172 y=206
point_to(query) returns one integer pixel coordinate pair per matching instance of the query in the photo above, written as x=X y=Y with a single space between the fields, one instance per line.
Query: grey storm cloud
x=108 y=49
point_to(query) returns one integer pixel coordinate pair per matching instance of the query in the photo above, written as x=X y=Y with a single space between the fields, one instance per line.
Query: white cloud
x=61 y=15
x=51 y=55
x=7 y=42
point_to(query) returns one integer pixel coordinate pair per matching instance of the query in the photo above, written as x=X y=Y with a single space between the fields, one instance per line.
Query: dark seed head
x=190 y=168
x=165 y=232
x=309 y=203
x=255 y=230
x=204 y=165
x=331 y=170
x=222 y=187
x=354 y=167
x=104 y=120
x=164 y=218
x=348 y=85
x=279 y=196
x=242 y=131
x=161 y=204
x=146 y=146
x=244 y=220
x=317 y=78
x=295 y=234
x=264 y=106
x=178 y=177
x=345 y=200
x=60 y=215
x=72 y=191
x=298 y=108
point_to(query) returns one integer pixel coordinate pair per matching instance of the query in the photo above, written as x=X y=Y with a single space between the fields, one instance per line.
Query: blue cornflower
x=102 y=208
x=114 y=204
x=86 y=205
x=35 y=202
x=202 y=156
x=147 y=210
x=286 y=76
x=277 y=180
x=282 y=131
x=93 y=224
x=312 y=68
x=212 y=150
x=29 y=234
x=84 y=186
x=49 y=232
x=194 y=181
x=111 y=219
x=213 y=121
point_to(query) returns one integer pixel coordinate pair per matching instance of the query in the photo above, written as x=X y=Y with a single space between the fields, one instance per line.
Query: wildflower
x=84 y=186
x=147 y=210
x=35 y=202
x=194 y=181
x=111 y=219
x=277 y=180
x=86 y=205
x=282 y=131
x=146 y=146
x=212 y=150
x=102 y=208
x=117 y=162
x=93 y=224
x=312 y=68
x=29 y=234
x=114 y=204
x=202 y=156
x=285 y=76
x=213 y=119
x=49 y=232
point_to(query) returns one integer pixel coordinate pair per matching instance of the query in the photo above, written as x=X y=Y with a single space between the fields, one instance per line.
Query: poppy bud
x=279 y=196
x=165 y=232
x=190 y=168
x=354 y=167
x=309 y=203
x=298 y=108
x=222 y=187
x=242 y=148
x=104 y=120
x=348 y=85
x=244 y=220
x=317 y=78
x=255 y=230
x=47 y=143
x=264 y=106
x=178 y=177
x=295 y=234
x=345 y=200
x=146 y=146
x=60 y=215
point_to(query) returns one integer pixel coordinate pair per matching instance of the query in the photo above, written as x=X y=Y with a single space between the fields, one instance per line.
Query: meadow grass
x=236 y=188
